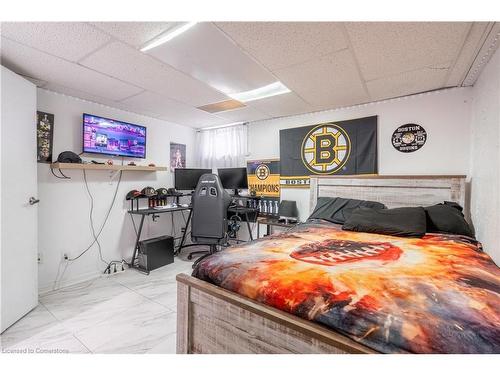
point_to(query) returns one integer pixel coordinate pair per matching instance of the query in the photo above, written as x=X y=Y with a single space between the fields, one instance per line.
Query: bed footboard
x=213 y=320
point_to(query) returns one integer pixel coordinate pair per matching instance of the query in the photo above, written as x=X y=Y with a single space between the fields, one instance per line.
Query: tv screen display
x=112 y=137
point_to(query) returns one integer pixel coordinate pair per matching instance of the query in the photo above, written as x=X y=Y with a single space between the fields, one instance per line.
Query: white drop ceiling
x=326 y=65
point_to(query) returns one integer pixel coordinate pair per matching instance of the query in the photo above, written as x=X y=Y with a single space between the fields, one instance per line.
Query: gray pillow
x=337 y=210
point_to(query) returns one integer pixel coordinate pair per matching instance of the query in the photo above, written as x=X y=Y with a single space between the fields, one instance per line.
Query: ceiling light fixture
x=168 y=35
x=276 y=88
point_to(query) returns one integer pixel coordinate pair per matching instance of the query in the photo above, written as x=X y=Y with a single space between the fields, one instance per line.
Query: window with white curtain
x=222 y=147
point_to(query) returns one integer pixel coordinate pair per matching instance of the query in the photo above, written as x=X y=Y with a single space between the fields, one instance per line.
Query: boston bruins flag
x=332 y=148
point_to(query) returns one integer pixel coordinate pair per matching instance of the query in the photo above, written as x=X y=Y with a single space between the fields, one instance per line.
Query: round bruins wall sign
x=325 y=149
x=409 y=138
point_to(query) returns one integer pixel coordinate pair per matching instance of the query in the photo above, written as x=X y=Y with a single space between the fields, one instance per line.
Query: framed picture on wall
x=177 y=156
x=44 y=136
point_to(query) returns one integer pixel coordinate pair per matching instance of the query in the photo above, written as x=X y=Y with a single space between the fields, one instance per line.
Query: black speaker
x=156 y=252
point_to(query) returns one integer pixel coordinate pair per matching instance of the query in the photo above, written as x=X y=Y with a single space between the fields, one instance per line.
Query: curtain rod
x=221 y=126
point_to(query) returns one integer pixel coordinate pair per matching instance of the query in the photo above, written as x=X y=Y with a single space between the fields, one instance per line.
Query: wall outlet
x=40 y=258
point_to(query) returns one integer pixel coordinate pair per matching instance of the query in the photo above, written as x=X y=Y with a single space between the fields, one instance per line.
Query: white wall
x=485 y=157
x=64 y=204
x=445 y=115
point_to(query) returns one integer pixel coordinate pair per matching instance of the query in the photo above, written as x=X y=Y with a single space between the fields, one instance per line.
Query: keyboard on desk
x=164 y=207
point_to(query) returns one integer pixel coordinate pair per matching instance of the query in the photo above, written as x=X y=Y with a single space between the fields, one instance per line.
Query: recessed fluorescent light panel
x=168 y=35
x=276 y=88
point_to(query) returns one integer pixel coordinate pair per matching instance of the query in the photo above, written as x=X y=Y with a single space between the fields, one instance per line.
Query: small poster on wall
x=264 y=177
x=177 y=156
x=44 y=136
x=264 y=182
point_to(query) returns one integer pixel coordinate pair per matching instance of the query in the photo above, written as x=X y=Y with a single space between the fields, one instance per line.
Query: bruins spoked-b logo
x=262 y=172
x=325 y=149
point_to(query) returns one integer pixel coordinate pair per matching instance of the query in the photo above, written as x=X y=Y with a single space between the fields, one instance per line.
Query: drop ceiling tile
x=407 y=83
x=96 y=99
x=245 y=114
x=28 y=61
x=387 y=48
x=128 y=64
x=195 y=119
x=282 y=105
x=80 y=94
x=134 y=33
x=328 y=82
x=206 y=53
x=280 y=44
x=170 y=110
x=468 y=53
x=68 y=40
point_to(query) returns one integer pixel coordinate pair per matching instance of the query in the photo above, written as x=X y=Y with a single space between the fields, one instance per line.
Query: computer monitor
x=187 y=178
x=233 y=178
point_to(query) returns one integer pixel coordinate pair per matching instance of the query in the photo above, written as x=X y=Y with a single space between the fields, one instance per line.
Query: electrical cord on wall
x=113 y=262
x=91 y=214
x=96 y=235
x=62 y=178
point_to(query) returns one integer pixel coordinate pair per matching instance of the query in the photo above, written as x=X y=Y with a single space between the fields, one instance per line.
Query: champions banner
x=264 y=177
x=332 y=148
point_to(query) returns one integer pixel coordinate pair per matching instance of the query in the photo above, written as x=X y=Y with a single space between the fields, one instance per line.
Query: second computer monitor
x=187 y=178
x=233 y=178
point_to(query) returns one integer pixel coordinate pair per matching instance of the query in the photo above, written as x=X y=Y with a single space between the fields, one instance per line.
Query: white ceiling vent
x=225 y=105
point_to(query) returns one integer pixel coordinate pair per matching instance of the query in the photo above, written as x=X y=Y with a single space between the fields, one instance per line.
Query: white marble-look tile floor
x=124 y=313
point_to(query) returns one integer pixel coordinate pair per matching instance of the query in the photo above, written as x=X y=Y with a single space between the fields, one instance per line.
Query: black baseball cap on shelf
x=162 y=191
x=148 y=191
x=132 y=194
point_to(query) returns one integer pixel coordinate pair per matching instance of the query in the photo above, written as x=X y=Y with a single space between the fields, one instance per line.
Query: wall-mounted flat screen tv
x=112 y=137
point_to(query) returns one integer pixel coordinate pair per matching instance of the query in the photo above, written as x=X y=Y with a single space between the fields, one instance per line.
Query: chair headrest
x=210 y=179
x=210 y=189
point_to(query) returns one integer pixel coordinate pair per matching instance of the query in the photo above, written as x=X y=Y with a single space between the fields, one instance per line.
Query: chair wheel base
x=190 y=257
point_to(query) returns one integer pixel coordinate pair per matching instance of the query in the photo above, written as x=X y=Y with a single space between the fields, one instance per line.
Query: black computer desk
x=143 y=213
x=153 y=211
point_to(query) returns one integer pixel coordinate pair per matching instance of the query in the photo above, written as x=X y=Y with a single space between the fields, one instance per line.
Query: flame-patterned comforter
x=437 y=294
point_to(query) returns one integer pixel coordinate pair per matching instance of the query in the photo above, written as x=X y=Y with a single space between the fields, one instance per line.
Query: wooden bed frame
x=213 y=320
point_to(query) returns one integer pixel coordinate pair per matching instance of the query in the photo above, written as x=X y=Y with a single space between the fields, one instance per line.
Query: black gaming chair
x=209 y=217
